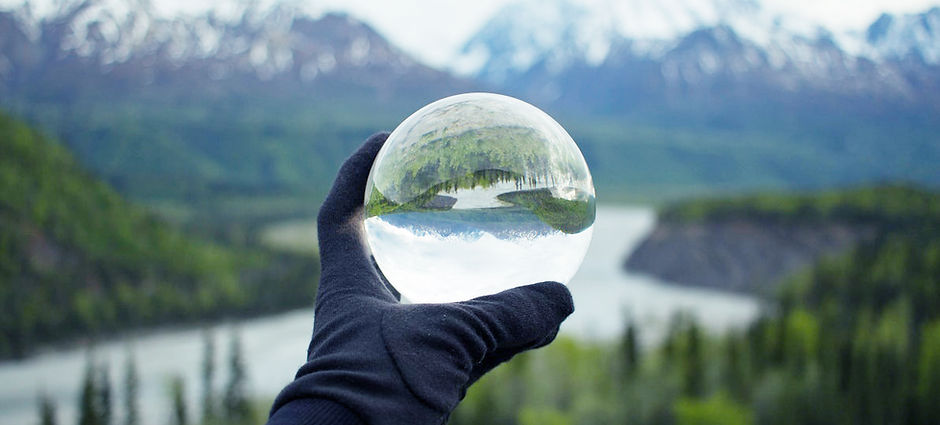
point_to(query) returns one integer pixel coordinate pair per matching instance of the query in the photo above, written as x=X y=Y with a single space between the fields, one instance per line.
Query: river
x=274 y=346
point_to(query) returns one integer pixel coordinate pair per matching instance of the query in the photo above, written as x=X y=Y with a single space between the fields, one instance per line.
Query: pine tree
x=928 y=373
x=208 y=377
x=178 y=395
x=47 y=414
x=87 y=407
x=237 y=407
x=131 y=388
x=735 y=368
x=103 y=396
x=631 y=354
x=693 y=382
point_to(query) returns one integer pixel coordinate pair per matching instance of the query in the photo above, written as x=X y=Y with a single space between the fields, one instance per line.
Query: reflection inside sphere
x=475 y=194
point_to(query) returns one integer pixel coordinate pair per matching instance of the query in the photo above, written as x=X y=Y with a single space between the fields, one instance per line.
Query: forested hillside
x=750 y=243
x=890 y=207
x=853 y=340
x=77 y=259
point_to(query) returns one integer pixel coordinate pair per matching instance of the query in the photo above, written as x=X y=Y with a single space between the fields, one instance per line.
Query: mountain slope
x=250 y=98
x=116 y=45
x=721 y=95
x=915 y=36
x=76 y=259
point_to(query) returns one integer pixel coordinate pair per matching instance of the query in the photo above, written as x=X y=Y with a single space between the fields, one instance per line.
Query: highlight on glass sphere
x=475 y=194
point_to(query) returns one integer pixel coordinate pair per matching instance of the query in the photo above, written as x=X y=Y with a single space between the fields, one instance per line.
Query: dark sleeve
x=314 y=411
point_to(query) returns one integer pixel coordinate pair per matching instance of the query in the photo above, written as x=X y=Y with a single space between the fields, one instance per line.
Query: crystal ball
x=474 y=194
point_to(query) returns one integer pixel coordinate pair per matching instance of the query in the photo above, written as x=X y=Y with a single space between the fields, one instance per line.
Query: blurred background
x=767 y=244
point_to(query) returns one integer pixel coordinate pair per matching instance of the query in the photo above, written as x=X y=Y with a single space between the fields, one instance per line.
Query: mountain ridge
x=126 y=44
x=897 y=57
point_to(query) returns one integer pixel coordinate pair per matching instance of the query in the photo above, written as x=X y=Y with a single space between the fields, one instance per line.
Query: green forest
x=855 y=339
x=101 y=402
x=78 y=261
x=200 y=156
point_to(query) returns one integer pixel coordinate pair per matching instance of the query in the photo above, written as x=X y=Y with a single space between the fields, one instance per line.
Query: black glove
x=392 y=363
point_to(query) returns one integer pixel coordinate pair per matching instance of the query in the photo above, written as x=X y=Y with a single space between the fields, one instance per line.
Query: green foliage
x=567 y=215
x=209 y=409
x=76 y=259
x=631 y=350
x=890 y=206
x=445 y=160
x=94 y=401
x=131 y=391
x=718 y=409
x=564 y=382
x=103 y=395
x=802 y=344
x=650 y=159
x=854 y=340
x=533 y=416
x=180 y=415
x=693 y=363
x=205 y=149
x=928 y=373
x=737 y=369
x=237 y=408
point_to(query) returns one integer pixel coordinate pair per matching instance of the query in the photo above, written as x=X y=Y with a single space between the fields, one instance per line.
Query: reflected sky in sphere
x=475 y=194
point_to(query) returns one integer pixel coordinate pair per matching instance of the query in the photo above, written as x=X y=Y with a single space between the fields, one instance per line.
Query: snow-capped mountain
x=564 y=49
x=561 y=32
x=900 y=37
x=130 y=43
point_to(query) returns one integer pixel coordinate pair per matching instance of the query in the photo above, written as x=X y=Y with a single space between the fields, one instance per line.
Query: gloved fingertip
x=349 y=186
x=357 y=167
x=555 y=293
x=376 y=140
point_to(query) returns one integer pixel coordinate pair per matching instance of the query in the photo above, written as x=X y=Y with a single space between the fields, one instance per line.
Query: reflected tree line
x=566 y=215
x=440 y=158
x=380 y=204
x=228 y=405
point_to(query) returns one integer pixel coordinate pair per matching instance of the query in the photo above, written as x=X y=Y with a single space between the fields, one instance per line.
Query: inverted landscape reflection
x=475 y=194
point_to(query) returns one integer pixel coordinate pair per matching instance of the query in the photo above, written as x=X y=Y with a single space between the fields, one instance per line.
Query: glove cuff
x=314 y=411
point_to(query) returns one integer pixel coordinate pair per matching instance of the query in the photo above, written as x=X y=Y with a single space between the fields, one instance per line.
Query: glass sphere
x=475 y=194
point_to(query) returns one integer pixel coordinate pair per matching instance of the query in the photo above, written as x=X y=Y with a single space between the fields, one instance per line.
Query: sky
x=432 y=30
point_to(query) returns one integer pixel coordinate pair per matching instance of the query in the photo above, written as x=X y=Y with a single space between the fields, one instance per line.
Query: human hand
x=393 y=363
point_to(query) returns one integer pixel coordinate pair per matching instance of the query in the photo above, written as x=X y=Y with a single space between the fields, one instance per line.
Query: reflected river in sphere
x=475 y=194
